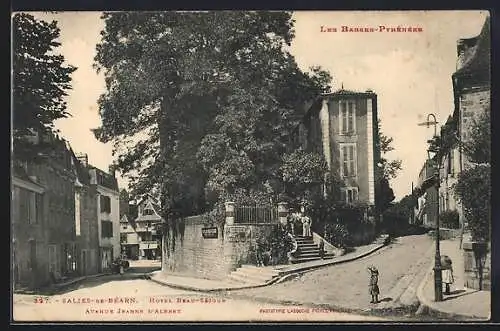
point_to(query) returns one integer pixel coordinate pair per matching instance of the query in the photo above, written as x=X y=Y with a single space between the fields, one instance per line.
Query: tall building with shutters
x=343 y=127
x=53 y=216
x=108 y=211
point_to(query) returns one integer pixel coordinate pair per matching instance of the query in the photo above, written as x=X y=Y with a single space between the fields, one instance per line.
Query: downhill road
x=346 y=285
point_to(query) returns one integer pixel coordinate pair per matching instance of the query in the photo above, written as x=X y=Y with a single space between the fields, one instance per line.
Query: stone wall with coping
x=477 y=258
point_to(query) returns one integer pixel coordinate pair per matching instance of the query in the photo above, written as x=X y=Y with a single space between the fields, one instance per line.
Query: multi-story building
x=108 y=215
x=343 y=126
x=471 y=89
x=129 y=239
x=86 y=219
x=427 y=210
x=147 y=224
x=53 y=217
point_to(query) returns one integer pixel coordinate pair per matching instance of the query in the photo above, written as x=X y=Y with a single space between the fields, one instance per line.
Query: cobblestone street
x=346 y=285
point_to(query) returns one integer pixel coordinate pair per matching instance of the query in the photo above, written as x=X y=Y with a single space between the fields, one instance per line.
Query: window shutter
x=32 y=207
x=101 y=201
x=345 y=161
x=350 y=126
x=344 y=117
x=39 y=207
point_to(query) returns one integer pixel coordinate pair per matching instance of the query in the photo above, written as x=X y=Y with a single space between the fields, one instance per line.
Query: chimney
x=84 y=159
x=461 y=46
x=112 y=170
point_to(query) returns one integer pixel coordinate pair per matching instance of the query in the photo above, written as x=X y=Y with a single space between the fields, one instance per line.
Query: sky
x=409 y=72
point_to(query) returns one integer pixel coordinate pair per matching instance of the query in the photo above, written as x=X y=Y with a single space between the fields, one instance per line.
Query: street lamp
x=438 y=284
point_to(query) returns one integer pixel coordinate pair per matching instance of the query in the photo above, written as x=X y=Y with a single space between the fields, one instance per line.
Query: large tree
x=385 y=171
x=214 y=94
x=40 y=80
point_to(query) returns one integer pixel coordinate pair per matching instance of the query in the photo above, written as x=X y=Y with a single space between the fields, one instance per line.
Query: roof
x=149 y=198
x=19 y=172
x=104 y=179
x=81 y=171
x=343 y=92
x=478 y=59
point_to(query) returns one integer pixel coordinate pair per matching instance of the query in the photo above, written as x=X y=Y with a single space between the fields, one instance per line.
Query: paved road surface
x=346 y=285
x=143 y=300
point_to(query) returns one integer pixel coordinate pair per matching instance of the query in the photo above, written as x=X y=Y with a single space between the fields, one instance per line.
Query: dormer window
x=148 y=211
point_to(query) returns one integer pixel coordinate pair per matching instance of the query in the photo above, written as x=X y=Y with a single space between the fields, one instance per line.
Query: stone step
x=242 y=279
x=307 y=254
x=259 y=270
x=307 y=245
x=304 y=240
x=254 y=277
x=305 y=259
x=308 y=249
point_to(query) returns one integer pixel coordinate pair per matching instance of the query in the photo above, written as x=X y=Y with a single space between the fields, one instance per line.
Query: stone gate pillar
x=283 y=213
x=229 y=213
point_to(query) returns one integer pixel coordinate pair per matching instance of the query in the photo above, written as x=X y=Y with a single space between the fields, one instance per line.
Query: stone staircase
x=308 y=251
x=252 y=275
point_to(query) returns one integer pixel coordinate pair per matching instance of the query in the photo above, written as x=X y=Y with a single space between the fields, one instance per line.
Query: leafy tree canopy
x=215 y=93
x=40 y=80
x=200 y=105
x=384 y=172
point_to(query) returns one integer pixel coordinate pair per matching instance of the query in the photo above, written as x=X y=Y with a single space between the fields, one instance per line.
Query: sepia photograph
x=250 y=166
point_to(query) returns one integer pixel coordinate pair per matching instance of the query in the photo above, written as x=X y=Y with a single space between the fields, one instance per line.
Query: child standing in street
x=447 y=273
x=373 y=288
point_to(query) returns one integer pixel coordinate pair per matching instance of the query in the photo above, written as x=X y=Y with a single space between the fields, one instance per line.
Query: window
x=106 y=229
x=71 y=257
x=30 y=206
x=123 y=237
x=451 y=165
x=348 y=160
x=77 y=213
x=148 y=211
x=53 y=259
x=105 y=202
x=350 y=194
x=347 y=111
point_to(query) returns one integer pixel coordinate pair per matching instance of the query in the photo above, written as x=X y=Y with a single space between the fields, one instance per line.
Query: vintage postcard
x=250 y=166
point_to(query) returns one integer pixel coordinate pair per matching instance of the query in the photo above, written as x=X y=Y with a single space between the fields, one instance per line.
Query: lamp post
x=438 y=284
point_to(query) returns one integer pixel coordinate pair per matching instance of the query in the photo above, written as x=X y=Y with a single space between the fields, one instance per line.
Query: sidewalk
x=207 y=285
x=463 y=303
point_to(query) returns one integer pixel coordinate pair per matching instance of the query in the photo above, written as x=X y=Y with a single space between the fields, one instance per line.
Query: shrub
x=338 y=235
x=449 y=219
x=473 y=190
x=280 y=245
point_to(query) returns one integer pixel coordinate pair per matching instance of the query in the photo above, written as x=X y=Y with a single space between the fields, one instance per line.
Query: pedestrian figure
x=322 y=249
x=294 y=246
x=447 y=273
x=306 y=223
x=259 y=255
x=373 y=288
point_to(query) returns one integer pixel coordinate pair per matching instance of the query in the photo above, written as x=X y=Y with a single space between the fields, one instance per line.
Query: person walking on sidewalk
x=447 y=269
x=373 y=288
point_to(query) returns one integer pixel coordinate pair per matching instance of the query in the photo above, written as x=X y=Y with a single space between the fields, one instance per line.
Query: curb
x=414 y=277
x=427 y=307
x=284 y=275
x=299 y=271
